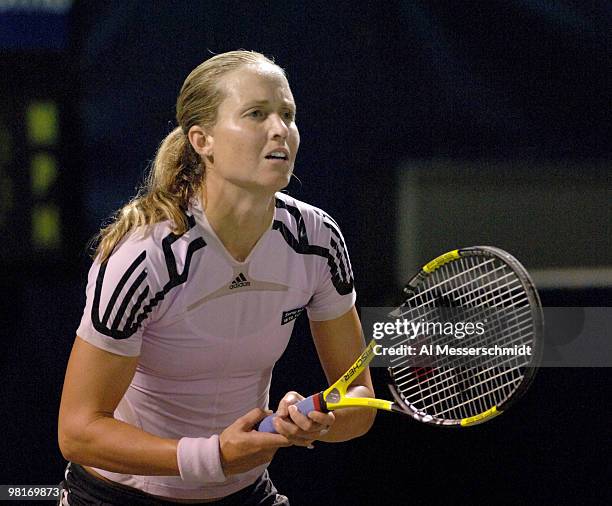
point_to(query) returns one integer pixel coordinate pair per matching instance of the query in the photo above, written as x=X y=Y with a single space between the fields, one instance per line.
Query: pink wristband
x=199 y=460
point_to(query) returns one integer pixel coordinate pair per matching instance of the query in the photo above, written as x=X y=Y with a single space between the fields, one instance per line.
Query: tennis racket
x=473 y=285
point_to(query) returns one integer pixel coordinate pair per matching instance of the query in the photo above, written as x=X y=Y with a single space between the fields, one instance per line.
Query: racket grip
x=305 y=406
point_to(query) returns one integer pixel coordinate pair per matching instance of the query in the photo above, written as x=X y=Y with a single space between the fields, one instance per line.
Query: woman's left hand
x=300 y=429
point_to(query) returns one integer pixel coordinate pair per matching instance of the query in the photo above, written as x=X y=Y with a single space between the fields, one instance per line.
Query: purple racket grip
x=305 y=406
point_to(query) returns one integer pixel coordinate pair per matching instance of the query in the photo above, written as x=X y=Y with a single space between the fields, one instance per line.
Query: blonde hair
x=177 y=173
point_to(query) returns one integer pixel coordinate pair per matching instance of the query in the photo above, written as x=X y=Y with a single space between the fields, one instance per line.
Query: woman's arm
x=95 y=382
x=339 y=342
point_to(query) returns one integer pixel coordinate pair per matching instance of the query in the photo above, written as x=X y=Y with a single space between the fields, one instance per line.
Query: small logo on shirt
x=239 y=282
x=291 y=315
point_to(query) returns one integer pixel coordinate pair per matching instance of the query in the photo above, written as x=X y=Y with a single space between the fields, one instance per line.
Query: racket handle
x=305 y=406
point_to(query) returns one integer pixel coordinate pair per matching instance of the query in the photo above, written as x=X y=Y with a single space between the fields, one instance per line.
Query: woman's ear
x=201 y=141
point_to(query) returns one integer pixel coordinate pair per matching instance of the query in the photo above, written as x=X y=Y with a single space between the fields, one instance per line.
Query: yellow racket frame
x=335 y=395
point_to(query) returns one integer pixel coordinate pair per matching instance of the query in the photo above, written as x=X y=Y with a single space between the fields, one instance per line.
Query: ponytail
x=173 y=179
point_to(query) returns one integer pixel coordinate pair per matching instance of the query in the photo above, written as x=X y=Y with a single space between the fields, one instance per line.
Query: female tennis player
x=191 y=300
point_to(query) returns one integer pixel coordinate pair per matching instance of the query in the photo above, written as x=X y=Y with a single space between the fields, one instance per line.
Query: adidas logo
x=239 y=282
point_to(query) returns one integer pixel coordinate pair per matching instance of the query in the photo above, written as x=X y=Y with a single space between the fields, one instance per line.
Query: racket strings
x=477 y=394
x=457 y=386
x=469 y=314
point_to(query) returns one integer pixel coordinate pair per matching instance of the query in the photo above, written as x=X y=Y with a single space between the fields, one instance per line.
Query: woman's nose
x=278 y=127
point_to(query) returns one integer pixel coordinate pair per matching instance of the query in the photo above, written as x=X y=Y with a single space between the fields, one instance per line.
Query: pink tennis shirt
x=209 y=329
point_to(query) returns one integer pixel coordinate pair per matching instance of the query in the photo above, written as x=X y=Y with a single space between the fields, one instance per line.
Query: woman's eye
x=256 y=114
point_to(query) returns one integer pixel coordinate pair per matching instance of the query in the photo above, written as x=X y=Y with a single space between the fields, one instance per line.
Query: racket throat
x=398 y=406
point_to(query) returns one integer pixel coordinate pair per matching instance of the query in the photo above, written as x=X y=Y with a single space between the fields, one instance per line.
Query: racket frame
x=535 y=306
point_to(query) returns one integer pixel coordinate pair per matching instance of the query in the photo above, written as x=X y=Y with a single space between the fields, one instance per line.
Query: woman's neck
x=238 y=217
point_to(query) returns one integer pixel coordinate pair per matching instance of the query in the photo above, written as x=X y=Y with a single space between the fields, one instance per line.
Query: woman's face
x=254 y=141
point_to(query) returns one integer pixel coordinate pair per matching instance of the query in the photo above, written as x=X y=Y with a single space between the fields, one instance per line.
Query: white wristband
x=199 y=460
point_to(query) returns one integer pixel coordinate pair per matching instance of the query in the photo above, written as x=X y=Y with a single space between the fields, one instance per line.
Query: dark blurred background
x=425 y=126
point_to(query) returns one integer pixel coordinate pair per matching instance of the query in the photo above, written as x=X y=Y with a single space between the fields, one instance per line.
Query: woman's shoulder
x=158 y=244
x=145 y=237
x=311 y=215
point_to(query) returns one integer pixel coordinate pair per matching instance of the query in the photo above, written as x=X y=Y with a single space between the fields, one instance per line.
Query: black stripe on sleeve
x=136 y=307
x=341 y=250
x=127 y=299
x=120 y=285
x=341 y=274
x=135 y=319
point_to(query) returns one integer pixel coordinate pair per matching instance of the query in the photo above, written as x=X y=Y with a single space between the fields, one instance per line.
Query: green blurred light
x=46 y=233
x=43 y=173
x=42 y=123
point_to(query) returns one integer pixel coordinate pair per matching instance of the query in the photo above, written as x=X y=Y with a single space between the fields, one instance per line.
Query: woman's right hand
x=242 y=448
